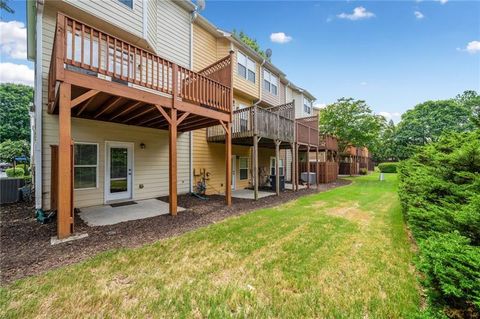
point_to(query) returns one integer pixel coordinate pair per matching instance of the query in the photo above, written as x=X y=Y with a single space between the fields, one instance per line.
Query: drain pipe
x=193 y=17
x=38 y=106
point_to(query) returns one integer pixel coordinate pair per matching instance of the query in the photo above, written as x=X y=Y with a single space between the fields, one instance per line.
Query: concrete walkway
x=108 y=215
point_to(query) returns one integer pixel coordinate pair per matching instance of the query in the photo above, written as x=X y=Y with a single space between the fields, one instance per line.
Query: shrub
x=440 y=193
x=15 y=172
x=363 y=171
x=25 y=167
x=388 y=167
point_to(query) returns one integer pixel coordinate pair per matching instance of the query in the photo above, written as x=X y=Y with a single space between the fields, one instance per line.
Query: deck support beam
x=227 y=127
x=65 y=174
x=277 y=166
x=318 y=168
x=172 y=161
x=255 y=167
x=307 y=157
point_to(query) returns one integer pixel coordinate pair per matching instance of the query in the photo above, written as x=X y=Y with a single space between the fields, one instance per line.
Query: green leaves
x=352 y=121
x=15 y=102
x=10 y=149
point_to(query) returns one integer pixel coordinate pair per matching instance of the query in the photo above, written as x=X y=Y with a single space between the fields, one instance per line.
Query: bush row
x=440 y=194
x=388 y=167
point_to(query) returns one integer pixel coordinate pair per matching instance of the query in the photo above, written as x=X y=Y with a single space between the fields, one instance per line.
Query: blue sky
x=393 y=54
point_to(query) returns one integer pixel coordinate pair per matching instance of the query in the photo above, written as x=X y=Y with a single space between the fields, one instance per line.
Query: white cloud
x=363 y=83
x=418 y=15
x=395 y=116
x=16 y=73
x=13 y=39
x=442 y=1
x=472 y=47
x=359 y=13
x=319 y=105
x=280 y=37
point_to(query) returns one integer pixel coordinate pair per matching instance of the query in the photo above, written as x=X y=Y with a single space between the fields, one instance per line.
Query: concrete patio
x=107 y=215
x=248 y=194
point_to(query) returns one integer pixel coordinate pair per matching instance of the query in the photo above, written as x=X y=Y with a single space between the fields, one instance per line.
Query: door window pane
x=118 y=170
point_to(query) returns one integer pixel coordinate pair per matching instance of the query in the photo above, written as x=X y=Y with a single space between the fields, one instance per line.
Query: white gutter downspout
x=38 y=102
x=261 y=83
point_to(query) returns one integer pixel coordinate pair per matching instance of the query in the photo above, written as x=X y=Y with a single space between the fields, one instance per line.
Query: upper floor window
x=270 y=82
x=128 y=3
x=307 y=106
x=246 y=67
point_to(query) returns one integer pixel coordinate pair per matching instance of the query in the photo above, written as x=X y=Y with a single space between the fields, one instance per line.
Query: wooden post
x=65 y=188
x=255 y=166
x=277 y=167
x=228 y=164
x=172 y=160
x=308 y=166
x=318 y=169
x=297 y=173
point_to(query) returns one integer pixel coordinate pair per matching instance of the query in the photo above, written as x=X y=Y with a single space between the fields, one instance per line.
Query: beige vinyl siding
x=150 y=164
x=115 y=12
x=204 y=48
x=281 y=91
x=173 y=32
x=152 y=23
x=288 y=94
x=241 y=84
x=223 y=48
x=269 y=98
x=298 y=97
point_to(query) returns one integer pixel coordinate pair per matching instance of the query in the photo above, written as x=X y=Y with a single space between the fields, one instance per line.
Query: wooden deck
x=306 y=133
x=270 y=125
x=98 y=76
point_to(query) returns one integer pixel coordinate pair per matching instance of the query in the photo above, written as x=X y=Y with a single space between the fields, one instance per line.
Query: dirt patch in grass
x=351 y=212
x=26 y=249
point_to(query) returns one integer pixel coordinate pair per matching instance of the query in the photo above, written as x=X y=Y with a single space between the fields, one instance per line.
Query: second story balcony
x=328 y=142
x=270 y=124
x=114 y=80
x=306 y=134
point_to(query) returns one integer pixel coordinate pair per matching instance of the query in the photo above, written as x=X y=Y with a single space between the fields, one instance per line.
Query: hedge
x=15 y=172
x=440 y=194
x=388 y=167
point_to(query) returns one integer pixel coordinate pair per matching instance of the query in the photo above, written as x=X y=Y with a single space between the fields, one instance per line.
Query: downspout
x=194 y=16
x=261 y=83
x=38 y=99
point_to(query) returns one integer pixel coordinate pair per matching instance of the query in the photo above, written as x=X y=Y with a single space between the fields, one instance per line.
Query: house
x=116 y=100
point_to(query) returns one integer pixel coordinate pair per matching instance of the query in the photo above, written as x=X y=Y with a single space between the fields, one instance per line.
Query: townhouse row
x=137 y=99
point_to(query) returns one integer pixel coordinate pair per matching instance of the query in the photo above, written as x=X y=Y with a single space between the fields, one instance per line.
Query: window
x=272 y=166
x=128 y=3
x=85 y=165
x=243 y=163
x=307 y=106
x=246 y=67
x=270 y=82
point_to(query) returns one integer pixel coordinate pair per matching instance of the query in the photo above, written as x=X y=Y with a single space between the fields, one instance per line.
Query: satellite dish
x=201 y=5
x=268 y=53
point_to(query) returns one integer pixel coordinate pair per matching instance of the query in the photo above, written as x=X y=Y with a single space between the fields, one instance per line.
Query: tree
x=4 y=6
x=387 y=150
x=252 y=43
x=10 y=149
x=15 y=101
x=471 y=100
x=426 y=122
x=351 y=121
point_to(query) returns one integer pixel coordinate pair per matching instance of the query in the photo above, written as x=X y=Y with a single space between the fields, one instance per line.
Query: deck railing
x=328 y=142
x=307 y=130
x=81 y=46
x=255 y=120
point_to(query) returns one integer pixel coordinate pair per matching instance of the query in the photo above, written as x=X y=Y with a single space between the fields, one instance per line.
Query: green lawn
x=342 y=253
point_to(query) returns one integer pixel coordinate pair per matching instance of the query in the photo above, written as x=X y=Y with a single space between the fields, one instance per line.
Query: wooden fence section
x=348 y=168
x=327 y=171
x=307 y=131
x=80 y=46
x=255 y=120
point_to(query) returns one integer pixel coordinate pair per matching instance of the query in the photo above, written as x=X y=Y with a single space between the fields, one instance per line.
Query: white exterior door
x=118 y=171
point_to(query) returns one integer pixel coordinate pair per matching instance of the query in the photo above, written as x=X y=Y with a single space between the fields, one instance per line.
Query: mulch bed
x=26 y=248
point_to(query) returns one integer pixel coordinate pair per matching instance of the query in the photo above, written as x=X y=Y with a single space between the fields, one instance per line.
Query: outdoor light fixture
x=142 y=146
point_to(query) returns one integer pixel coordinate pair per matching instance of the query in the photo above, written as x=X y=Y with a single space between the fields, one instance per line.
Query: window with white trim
x=307 y=106
x=273 y=168
x=270 y=82
x=128 y=3
x=85 y=167
x=246 y=67
x=243 y=164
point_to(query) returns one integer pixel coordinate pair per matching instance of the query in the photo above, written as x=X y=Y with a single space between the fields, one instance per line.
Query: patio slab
x=107 y=215
x=248 y=194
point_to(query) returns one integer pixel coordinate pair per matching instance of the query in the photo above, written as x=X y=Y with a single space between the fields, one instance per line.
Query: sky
x=392 y=54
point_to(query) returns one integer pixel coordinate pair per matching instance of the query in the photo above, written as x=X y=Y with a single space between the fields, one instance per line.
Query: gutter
x=38 y=99
x=194 y=15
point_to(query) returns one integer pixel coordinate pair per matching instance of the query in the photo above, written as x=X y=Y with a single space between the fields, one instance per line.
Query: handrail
x=85 y=47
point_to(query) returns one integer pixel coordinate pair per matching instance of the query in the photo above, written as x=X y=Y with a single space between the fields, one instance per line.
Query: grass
x=342 y=254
